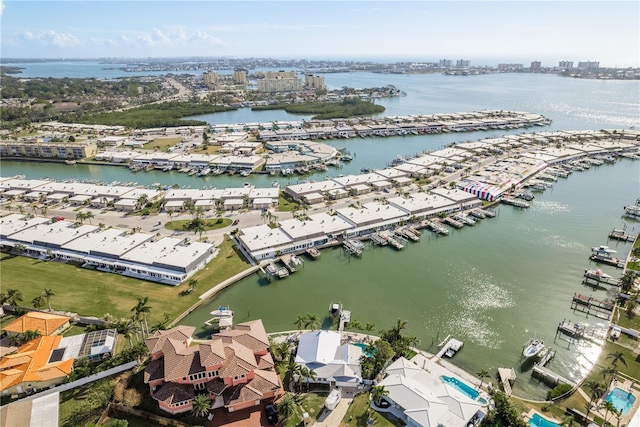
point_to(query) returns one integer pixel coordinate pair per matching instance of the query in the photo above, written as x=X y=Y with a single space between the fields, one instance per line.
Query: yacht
x=335 y=309
x=596 y=274
x=602 y=250
x=533 y=347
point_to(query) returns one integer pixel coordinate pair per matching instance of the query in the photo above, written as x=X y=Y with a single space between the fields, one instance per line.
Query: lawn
x=94 y=293
x=161 y=144
x=285 y=205
x=360 y=412
x=311 y=403
x=209 y=224
x=131 y=419
x=78 y=408
x=211 y=149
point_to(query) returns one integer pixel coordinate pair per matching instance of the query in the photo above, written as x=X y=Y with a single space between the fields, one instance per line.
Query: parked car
x=272 y=414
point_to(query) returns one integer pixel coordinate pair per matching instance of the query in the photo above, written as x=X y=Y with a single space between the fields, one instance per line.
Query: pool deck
x=633 y=417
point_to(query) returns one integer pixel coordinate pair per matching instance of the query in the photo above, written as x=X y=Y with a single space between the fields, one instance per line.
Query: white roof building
x=425 y=399
x=263 y=241
x=335 y=364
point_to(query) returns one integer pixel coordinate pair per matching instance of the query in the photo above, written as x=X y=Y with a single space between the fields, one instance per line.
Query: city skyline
x=485 y=33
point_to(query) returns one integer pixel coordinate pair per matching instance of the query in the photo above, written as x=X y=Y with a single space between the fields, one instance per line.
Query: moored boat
x=532 y=348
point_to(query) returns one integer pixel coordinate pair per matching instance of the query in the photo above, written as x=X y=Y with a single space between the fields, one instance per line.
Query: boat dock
x=345 y=317
x=437 y=228
x=449 y=347
x=607 y=260
x=549 y=377
x=478 y=213
x=378 y=239
x=452 y=222
x=507 y=376
x=489 y=213
x=313 y=253
x=394 y=241
x=546 y=357
x=591 y=306
x=353 y=247
x=597 y=277
x=408 y=234
x=619 y=234
x=519 y=203
x=578 y=331
x=290 y=262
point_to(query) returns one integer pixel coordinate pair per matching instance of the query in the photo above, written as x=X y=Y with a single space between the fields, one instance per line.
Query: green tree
x=627 y=281
x=14 y=297
x=300 y=321
x=281 y=351
x=141 y=310
x=48 y=294
x=312 y=321
x=200 y=405
x=482 y=374
x=38 y=302
x=378 y=392
x=616 y=356
x=609 y=408
x=287 y=406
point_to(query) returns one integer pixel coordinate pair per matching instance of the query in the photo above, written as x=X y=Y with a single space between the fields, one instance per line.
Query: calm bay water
x=493 y=285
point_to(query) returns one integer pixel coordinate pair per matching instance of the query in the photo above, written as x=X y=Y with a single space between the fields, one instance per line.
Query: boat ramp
x=602 y=259
x=591 y=306
x=619 y=234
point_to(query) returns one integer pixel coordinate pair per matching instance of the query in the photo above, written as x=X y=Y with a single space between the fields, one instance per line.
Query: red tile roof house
x=235 y=368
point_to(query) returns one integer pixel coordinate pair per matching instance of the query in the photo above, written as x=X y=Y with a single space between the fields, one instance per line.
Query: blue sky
x=487 y=32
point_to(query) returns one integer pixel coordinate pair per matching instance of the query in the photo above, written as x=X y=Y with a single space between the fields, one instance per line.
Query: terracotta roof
x=212 y=352
x=171 y=393
x=266 y=362
x=250 y=334
x=156 y=341
x=154 y=370
x=236 y=366
x=180 y=361
x=45 y=323
x=30 y=363
x=216 y=386
x=262 y=383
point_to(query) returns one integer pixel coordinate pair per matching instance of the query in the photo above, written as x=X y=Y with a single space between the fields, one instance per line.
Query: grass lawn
x=162 y=144
x=94 y=293
x=211 y=149
x=74 y=330
x=284 y=205
x=6 y=319
x=77 y=409
x=360 y=412
x=132 y=419
x=311 y=403
x=209 y=224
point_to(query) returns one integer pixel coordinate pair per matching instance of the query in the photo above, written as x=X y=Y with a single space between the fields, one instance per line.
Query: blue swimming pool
x=464 y=388
x=622 y=400
x=363 y=347
x=538 y=421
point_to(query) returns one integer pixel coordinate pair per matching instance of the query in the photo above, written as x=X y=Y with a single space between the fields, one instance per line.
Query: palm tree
x=281 y=351
x=377 y=393
x=606 y=371
x=627 y=280
x=400 y=326
x=616 y=357
x=89 y=215
x=80 y=217
x=482 y=374
x=128 y=328
x=595 y=391
x=193 y=283
x=287 y=405
x=609 y=407
x=142 y=201
x=293 y=370
x=368 y=326
x=567 y=421
x=200 y=405
x=199 y=228
x=38 y=302
x=29 y=335
x=44 y=210
x=47 y=294
x=300 y=321
x=312 y=321
x=310 y=376
x=144 y=309
x=14 y=296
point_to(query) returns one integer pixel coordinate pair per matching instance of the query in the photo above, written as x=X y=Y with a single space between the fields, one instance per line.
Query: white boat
x=597 y=274
x=335 y=309
x=602 y=250
x=534 y=346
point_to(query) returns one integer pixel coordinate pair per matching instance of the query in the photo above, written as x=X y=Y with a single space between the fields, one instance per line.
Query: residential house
x=45 y=323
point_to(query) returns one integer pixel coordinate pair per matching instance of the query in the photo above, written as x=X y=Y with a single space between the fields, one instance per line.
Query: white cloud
x=1 y=7
x=52 y=38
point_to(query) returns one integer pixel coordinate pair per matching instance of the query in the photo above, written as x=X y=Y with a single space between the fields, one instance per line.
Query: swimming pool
x=464 y=388
x=622 y=400
x=538 y=421
x=363 y=347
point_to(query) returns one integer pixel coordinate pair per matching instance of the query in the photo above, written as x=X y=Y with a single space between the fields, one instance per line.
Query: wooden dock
x=597 y=277
x=507 y=375
x=591 y=306
x=438 y=228
x=353 y=247
x=313 y=253
x=549 y=377
x=578 y=331
x=546 y=357
x=607 y=260
x=452 y=222
x=451 y=344
x=519 y=203
x=619 y=234
x=378 y=239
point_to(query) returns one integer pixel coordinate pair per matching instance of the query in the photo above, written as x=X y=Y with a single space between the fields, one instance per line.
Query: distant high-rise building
x=446 y=63
x=463 y=63
x=510 y=66
x=316 y=82
x=536 y=65
x=240 y=77
x=567 y=65
x=280 y=81
x=210 y=79
x=589 y=65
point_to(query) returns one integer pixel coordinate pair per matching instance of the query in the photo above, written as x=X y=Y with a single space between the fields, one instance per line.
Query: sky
x=485 y=32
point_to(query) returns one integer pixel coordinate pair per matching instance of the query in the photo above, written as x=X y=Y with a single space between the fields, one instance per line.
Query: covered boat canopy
x=482 y=190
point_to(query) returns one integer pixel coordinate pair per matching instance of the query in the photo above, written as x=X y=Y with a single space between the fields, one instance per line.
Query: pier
x=408 y=234
x=619 y=234
x=449 y=348
x=452 y=222
x=290 y=262
x=591 y=306
x=549 y=377
x=507 y=376
x=378 y=239
x=394 y=242
x=519 y=203
x=616 y=262
x=353 y=247
x=313 y=253
x=546 y=357
x=437 y=228
x=597 y=277
x=578 y=332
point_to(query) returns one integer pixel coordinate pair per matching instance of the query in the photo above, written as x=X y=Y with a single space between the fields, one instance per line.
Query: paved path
x=334 y=417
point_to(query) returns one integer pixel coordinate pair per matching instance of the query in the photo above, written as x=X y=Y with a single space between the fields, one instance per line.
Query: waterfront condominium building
x=445 y=63
x=589 y=65
x=240 y=77
x=210 y=79
x=280 y=81
x=536 y=65
x=316 y=82
x=463 y=63
x=510 y=66
x=565 y=64
x=60 y=150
